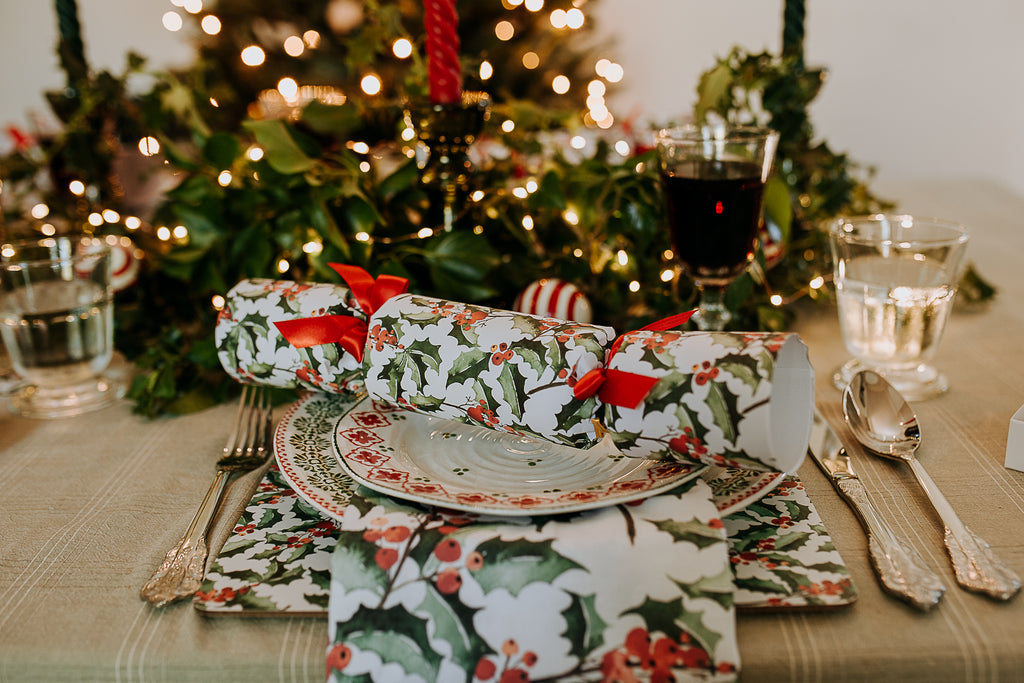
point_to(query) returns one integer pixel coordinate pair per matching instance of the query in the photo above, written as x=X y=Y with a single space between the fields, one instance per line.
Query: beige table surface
x=89 y=505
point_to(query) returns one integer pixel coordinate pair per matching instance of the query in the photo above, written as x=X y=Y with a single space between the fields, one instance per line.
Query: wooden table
x=90 y=504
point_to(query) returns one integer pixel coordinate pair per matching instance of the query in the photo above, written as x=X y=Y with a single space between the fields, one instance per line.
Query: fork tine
x=233 y=442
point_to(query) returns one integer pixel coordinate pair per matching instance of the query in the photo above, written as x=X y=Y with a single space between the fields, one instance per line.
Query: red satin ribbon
x=345 y=330
x=618 y=387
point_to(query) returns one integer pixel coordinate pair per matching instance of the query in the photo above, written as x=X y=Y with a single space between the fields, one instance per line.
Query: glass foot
x=45 y=403
x=916 y=384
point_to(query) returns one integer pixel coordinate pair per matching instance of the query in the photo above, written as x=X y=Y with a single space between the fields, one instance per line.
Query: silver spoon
x=884 y=422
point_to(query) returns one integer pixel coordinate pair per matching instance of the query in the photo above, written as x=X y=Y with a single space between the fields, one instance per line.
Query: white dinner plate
x=436 y=461
x=304 y=449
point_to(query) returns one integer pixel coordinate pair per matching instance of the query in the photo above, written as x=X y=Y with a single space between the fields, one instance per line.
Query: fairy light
x=667 y=275
x=254 y=153
x=311 y=38
x=508 y=125
x=360 y=147
x=133 y=222
x=312 y=247
x=571 y=217
x=534 y=5
x=577 y=252
x=192 y=6
x=293 y=46
x=531 y=60
x=578 y=142
x=668 y=255
x=558 y=18
x=622 y=257
x=47 y=229
x=111 y=216
x=149 y=146
x=217 y=301
x=402 y=48
x=775 y=300
x=425 y=233
x=210 y=25
x=76 y=187
x=224 y=179
x=163 y=233
x=364 y=166
x=531 y=186
x=634 y=286
x=214 y=102
x=816 y=283
x=477 y=195
x=527 y=222
x=253 y=55
x=180 y=232
x=40 y=211
x=283 y=266
x=362 y=236
x=520 y=192
x=504 y=30
x=574 y=18
x=172 y=21
x=622 y=147
x=408 y=134
x=560 y=84
x=371 y=84
x=614 y=73
x=288 y=88
x=486 y=70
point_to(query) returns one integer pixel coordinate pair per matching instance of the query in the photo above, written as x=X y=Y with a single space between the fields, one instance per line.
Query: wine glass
x=713 y=179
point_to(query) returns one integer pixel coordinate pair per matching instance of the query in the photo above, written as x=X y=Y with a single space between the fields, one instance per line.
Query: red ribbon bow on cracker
x=617 y=387
x=347 y=331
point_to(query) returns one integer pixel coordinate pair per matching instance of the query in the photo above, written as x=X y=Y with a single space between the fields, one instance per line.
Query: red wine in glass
x=714 y=208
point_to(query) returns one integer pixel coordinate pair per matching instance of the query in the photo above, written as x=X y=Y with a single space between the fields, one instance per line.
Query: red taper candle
x=441 y=22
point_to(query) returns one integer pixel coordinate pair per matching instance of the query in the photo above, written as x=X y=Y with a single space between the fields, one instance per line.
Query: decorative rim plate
x=303 y=446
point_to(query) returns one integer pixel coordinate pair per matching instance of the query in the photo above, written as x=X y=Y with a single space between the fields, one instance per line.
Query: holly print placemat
x=278 y=558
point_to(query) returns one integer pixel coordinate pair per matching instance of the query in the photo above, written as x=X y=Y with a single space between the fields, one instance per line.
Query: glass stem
x=712 y=313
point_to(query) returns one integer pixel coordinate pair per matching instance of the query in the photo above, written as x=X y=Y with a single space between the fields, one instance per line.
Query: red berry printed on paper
x=386 y=558
x=448 y=550
x=449 y=581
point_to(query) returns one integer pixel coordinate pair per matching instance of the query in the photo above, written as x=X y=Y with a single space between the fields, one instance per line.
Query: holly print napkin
x=625 y=592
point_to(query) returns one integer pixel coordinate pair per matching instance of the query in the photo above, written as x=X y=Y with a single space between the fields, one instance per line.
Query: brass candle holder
x=447 y=130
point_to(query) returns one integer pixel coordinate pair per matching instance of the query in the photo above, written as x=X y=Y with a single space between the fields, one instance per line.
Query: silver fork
x=247 y=448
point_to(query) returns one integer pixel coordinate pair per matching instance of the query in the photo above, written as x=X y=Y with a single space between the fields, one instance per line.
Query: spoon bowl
x=884 y=423
x=879 y=417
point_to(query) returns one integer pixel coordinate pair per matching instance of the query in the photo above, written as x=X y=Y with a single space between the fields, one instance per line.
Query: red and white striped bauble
x=554 y=298
x=124 y=264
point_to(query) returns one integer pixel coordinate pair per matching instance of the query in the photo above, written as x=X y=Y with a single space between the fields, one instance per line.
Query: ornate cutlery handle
x=976 y=566
x=184 y=566
x=899 y=567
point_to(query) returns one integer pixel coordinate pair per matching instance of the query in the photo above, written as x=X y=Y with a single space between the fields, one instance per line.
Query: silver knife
x=900 y=569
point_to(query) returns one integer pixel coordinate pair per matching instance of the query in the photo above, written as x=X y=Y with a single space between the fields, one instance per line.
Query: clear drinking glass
x=57 y=323
x=713 y=179
x=896 y=277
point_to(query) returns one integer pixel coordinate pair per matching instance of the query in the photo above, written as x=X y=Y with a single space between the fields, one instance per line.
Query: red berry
x=338 y=658
x=485 y=668
x=448 y=550
x=372 y=535
x=515 y=675
x=386 y=558
x=449 y=581
x=638 y=643
x=530 y=658
x=397 y=534
x=474 y=561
